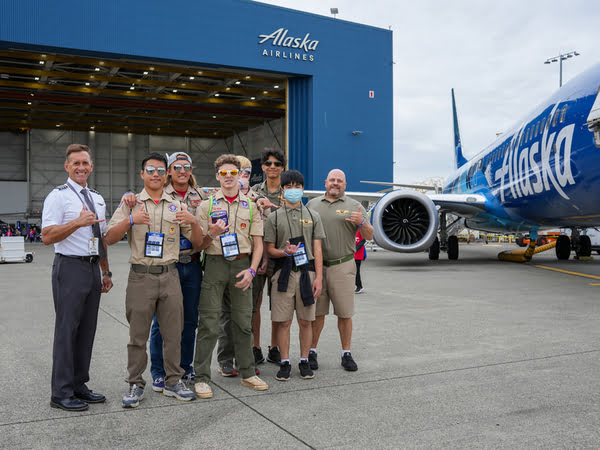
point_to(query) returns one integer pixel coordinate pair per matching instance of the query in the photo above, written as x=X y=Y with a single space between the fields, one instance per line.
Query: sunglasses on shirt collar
x=150 y=170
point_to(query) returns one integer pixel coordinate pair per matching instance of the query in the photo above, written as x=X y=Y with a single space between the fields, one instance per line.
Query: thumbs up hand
x=185 y=217
x=141 y=216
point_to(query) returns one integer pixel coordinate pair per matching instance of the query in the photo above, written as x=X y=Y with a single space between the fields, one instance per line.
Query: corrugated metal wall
x=117 y=158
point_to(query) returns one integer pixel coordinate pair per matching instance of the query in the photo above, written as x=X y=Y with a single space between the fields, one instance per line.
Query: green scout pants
x=218 y=275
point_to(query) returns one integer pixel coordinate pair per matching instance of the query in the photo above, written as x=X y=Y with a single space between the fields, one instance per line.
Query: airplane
x=542 y=173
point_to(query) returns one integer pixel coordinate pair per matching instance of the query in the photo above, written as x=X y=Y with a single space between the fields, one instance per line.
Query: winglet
x=458 y=155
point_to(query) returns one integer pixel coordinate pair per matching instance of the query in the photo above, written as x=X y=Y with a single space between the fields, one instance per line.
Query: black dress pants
x=76 y=288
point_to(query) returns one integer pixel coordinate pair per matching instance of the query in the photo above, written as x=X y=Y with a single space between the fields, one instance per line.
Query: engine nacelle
x=405 y=221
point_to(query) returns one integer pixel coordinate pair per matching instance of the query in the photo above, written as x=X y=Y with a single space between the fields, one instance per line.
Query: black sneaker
x=312 y=360
x=305 y=370
x=274 y=356
x=284 y=372
x=348 y=362
x=258 y=355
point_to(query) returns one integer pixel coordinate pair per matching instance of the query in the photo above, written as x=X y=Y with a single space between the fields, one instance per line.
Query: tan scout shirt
x=340 y=232
x=238 y=217
x=193 y=198
x=274 y=197
x=287 y=223
x=136 y=236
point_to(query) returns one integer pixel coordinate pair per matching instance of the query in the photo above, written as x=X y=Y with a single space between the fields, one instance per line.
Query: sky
x=491 y=53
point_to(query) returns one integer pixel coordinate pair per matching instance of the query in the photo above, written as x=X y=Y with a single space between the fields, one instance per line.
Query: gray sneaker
x=179 y=391
x=133 y=397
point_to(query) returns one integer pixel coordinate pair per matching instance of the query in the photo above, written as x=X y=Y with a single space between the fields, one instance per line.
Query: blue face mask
x=293 y=195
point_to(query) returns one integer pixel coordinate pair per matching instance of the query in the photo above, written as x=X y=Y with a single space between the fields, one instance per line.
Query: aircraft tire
x=453 y=248
x=434 y=250
x=585 y=246
x=563 y=247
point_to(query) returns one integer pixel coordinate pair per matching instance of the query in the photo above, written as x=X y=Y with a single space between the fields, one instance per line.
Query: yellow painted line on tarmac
x=585 y=275
x=594 y=284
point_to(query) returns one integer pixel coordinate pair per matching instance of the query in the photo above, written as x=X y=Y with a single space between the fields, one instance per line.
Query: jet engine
x=405 y=221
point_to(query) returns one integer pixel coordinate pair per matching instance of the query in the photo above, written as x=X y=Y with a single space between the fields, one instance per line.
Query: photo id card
x=230 y=246
x=300 y=257
x=154 y=245
x=93 y=246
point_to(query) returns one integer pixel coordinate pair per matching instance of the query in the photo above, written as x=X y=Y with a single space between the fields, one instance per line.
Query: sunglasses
x=276 y=163
x=232 y=172
x=186 y=167
x=161 y=170
x=247 y=170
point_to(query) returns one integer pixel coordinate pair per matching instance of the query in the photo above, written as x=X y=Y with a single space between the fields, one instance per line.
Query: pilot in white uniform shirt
x=63 y=205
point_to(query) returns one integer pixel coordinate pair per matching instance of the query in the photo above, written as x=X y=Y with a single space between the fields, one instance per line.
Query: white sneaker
x=359 y=291
x=203 y=390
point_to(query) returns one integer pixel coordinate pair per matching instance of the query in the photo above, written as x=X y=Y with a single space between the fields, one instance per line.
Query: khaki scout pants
x=218 y=274
x=146 y=295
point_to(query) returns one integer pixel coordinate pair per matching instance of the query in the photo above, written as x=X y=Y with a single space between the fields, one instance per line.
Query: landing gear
x=453 y=248
x=563 y=247
x=445 y=243
x=434 y=250
x=584 y=246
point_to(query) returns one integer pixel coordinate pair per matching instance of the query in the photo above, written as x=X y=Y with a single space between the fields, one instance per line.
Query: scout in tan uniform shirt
x=225 y=347
x=270 y=198
x=233 y=229
x=292 y=234
x=181 y=186
x=342 y=217
x=153 y=228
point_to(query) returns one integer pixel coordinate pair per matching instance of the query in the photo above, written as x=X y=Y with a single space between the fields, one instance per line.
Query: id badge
x=300 y=257
x=230 y=246
x=154 y=245
x=93 y=246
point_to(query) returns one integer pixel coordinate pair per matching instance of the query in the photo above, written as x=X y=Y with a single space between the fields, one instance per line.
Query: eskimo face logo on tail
x=541 y=167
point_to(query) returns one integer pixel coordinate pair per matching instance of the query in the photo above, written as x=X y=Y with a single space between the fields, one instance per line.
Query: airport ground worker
x=342 y=217
x=73 y=219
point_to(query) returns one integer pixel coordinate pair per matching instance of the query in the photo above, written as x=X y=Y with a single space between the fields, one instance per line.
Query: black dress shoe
x=90 y=397
x=68 y=404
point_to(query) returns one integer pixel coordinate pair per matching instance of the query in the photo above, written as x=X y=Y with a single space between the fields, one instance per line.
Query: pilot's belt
x=141 y=268
x=185 y=259
x=335 y=262
x=92 y=259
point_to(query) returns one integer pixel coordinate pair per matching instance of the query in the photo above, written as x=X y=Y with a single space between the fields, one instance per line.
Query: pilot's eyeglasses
x=186 y=167
x=276 y=163
x=150 y=170
x=232 y=172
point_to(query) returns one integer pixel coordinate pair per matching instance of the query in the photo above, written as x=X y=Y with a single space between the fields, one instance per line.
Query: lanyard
x=162 y=212
x=290 y=225
x=79 y=197
x=236 y=211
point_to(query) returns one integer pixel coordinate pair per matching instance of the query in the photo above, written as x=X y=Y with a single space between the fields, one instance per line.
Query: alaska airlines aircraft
x=542 y=173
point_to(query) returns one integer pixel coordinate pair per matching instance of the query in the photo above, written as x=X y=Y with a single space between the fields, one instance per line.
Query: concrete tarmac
x=474 y=353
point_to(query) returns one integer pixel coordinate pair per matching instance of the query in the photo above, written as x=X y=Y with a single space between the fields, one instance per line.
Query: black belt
x=335 y=262
x=186 y=259
x=92 y=259
x=141 y=268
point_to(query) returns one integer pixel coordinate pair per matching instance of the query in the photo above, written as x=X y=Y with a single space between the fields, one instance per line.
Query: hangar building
x=205 y=77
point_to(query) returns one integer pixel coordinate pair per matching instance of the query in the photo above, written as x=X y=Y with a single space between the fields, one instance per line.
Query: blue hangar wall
x=341 y=83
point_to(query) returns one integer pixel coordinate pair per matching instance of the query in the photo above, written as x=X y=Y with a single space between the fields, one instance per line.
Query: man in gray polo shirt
x=342 y=217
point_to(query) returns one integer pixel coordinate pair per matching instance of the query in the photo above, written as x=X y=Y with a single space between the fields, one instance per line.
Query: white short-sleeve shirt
x=61 y=206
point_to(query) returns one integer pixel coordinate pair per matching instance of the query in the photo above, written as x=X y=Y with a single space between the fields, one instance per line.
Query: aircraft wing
x=464 y=205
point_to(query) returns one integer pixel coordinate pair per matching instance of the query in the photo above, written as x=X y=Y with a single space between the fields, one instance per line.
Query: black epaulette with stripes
x=94 y=191
x=61 y=187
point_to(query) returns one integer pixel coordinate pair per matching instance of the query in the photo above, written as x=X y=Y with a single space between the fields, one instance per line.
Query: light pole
x=560 y=58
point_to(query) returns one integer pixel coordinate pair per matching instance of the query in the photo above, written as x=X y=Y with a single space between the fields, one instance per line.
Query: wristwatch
x=108 y=272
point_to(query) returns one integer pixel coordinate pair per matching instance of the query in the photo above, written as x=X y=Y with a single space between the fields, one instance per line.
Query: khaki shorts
x=284 y=303
x=338 y=288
